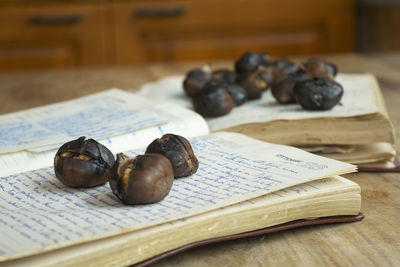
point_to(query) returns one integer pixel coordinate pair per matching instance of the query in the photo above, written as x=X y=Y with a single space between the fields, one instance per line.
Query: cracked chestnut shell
x=224 y=75
x=254 y=82
x=249 y=61
x=141 y=180
x=179 y=151
x=282 y=88
x=213 y=100
x=83 y=163
x=316 y=67
x=285 y=65
x=318 y=94
x=196 y=79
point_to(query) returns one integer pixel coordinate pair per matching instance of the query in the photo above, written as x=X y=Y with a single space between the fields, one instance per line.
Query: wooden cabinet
x=209 y=29
x=118 y=32
x=57 y=36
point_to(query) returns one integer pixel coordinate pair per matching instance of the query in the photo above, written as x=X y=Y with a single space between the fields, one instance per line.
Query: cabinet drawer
x=60 y=36
x=194 y=29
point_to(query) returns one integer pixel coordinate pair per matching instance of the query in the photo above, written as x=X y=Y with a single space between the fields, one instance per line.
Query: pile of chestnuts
x=216 y=92
x=143 y=179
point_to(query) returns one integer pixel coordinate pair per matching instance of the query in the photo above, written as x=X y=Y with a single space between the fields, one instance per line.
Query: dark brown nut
x=249 y=62
x=83 y=163
x=179 y=151
x=212 y=83
x=282 y=89
x=237 y=93
x=318 y=94
x=224 y=75
x=213 y=101
x=286 y=66
x=196 y=79
x=254 y=83
x=316 y=67
x=268 y=74
x=282 y=68
x=333 y=68
x=141 y=180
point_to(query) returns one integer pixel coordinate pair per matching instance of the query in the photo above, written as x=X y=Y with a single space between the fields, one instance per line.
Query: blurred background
x=44 y=34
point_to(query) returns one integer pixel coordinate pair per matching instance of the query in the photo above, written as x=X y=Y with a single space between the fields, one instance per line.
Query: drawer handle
x=160 y=12
x=55 y=19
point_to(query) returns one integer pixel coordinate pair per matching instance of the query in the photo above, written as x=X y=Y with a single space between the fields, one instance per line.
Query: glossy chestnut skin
x=179 y=151
x=249 y=62
x=284 y=66
x=83 y=163
x=141 y=180
x=316 y=67
x=196 y=79
x=213 y=100
x=318 y=94
x=238 y=93
x=282 y=88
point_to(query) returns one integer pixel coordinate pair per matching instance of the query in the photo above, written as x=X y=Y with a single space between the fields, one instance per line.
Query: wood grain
x=111 y=32
x=220 y=29
x=53 y=36
x=376 y=26
x=373 y=242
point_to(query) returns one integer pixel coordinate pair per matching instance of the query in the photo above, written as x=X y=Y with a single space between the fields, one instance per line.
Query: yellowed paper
x=38 y=213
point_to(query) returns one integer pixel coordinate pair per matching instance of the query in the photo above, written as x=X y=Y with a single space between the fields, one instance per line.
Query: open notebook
x=242 y=185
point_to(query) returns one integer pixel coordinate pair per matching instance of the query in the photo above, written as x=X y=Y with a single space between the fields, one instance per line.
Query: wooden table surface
x=373 y=242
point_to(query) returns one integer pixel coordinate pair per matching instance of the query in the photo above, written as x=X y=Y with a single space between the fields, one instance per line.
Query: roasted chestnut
x=285 y=65
x=282 y=90
x=249 y=62
x=179 y=151
x=141 y=180
x=238 y=94
x=318 y=94
x=83 y=163
x=253 y=82
x=213 y=100
x=316 y=67
x=196 y=79
x=282 y=87
x=224 y=75
x=268 y=74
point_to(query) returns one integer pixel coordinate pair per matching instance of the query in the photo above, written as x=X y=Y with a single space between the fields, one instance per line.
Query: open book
x=358 y=130
x=242 y=185
x=120 y=120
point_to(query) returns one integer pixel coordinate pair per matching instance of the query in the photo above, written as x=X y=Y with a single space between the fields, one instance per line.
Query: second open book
x=358 y=130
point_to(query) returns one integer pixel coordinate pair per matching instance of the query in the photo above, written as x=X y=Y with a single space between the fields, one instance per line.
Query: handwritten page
x=358 y=99
x=100 y=116
x=229 y=216
x=38 y=213
x=125 y=122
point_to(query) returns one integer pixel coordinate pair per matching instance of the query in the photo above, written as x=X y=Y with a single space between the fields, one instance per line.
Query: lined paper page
x=133 y=123
x=100 y=116
x=358 y=99
x=38 y=213
x=262 y=207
